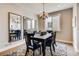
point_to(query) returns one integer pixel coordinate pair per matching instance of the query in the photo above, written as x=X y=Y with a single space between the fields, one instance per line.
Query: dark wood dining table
x=42 y=39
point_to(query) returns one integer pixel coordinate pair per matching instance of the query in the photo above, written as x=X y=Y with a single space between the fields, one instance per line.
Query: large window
x=33 y=24
x=53 y=23
x=30 y=24
x=56 y=22
x=48 y=23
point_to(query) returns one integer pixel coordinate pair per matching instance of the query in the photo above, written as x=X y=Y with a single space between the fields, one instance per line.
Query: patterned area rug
x=60 y=50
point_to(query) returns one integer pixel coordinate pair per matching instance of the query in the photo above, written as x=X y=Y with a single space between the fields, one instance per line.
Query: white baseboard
x=64 y=41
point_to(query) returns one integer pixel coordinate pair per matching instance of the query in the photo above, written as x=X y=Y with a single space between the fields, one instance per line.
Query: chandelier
x=44 y=14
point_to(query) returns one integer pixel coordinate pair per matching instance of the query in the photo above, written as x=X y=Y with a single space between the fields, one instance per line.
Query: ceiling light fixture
x=44 y=14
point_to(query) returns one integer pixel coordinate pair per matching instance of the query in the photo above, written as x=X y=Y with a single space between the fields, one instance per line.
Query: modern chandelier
x=44 y=14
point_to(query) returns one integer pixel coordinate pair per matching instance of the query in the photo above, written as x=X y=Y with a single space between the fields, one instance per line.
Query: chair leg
x=33 y=52
x=53 y=47
x=26 y=52
x=55 y=44
x=51 y=50
x=40 y=50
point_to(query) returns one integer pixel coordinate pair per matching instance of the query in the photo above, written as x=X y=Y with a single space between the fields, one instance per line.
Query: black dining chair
x=30 y=44
x=54 y=37
x=51 y=41
x=54 y=40
x=49 y=31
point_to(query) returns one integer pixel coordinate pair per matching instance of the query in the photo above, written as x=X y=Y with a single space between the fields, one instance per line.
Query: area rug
x=60 y=50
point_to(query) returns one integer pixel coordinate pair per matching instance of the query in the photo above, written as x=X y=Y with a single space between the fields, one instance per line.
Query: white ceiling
x=32 y=9
x=49 y=7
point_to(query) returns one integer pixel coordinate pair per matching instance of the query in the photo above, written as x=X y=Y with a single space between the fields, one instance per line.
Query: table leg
x=43 y=48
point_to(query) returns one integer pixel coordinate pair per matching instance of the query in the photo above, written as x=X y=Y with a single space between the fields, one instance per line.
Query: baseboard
x=70 y=42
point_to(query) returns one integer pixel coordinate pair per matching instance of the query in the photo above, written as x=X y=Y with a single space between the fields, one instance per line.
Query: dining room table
x=43 y=39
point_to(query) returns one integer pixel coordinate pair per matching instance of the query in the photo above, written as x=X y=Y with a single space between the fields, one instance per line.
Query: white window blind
x=33 y=24
x=48 y=23
x=28 y=24
x=56 y=23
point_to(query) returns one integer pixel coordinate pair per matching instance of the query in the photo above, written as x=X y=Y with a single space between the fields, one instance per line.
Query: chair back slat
x=28 y=38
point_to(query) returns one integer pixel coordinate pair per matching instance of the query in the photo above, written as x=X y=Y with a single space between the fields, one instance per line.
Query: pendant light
x=44 y=14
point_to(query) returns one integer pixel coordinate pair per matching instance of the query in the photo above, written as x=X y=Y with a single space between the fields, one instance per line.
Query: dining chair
x=30 y=44
x=51 y=41
x=54 y=40
x=54 y=37
x=49 y=31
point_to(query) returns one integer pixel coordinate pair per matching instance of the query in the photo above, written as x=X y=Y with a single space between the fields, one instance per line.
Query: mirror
x=15 y=26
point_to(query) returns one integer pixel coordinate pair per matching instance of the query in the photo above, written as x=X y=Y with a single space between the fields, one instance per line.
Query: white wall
x=4 y=9
x=78 y=27
x=75 y=24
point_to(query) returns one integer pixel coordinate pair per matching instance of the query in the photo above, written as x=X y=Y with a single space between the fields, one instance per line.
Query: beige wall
x=65 y=35
x=3 y=24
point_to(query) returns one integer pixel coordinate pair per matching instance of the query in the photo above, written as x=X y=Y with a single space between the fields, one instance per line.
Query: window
x=28 y=24
x=33 y=24
x=53 y=23
x=56 y=22
x=48 y=24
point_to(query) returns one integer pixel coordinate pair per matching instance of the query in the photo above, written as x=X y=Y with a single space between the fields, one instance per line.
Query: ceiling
x=49 y=7
x=32 y=9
